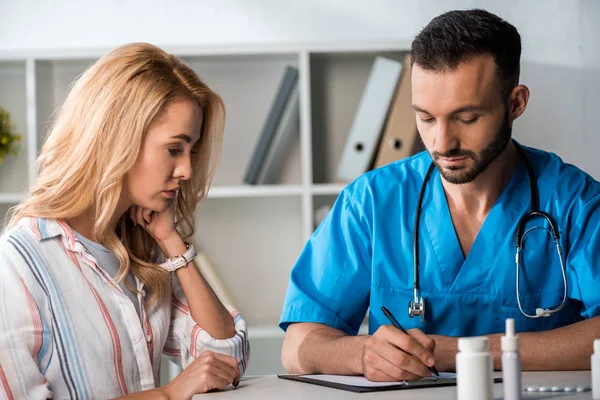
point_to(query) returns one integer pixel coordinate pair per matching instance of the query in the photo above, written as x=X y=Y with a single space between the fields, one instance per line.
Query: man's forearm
x=315 y=348
x=566 y=348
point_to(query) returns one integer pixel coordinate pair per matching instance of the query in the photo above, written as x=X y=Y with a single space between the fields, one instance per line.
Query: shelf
x=248 y=191
x=337 y=83
x=327 y=188
x=265 y=332
x=206 y=50
x=10 y=198
x=242 y=81
x=252 y=234
x=216 y=192
x=242 y=191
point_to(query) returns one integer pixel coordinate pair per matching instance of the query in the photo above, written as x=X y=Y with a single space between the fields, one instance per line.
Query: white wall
x=561 y=61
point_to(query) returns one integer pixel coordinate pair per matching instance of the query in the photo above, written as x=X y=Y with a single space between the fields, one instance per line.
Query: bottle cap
x=510 y=342
x=473 y=344
x=597 y=346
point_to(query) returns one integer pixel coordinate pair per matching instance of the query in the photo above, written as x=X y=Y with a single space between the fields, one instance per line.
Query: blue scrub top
x=361 y=255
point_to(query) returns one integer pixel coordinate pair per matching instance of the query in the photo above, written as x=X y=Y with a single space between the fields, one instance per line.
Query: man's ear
x=517 y=101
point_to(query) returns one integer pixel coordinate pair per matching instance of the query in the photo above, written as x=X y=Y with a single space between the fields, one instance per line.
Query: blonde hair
x=96 y=138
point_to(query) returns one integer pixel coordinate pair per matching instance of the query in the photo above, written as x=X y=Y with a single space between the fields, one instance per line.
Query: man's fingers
x=425 y=341
x=381 y=370
x=398 y=363
x=376 y=375
x=409 y=344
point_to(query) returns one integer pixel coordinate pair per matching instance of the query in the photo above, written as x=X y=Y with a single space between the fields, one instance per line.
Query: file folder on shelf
x=287 y=129
x=400 y=134
x=369 y=119
x=288 y=83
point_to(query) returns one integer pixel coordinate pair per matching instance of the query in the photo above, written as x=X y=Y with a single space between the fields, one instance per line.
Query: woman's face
x=165 y=157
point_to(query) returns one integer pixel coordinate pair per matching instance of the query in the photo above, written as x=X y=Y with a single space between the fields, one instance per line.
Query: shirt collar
x=46 y=228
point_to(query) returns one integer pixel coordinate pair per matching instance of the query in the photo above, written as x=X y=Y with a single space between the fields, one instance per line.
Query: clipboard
x=360 y=384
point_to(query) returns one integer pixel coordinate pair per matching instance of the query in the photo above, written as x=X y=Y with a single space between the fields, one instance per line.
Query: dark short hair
x=456 y=36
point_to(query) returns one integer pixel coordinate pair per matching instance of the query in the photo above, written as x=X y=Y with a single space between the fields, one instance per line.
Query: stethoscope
x=416 y=307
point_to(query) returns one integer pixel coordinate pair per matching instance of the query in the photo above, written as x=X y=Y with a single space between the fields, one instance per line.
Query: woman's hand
x=210 y=371
x=161 y=226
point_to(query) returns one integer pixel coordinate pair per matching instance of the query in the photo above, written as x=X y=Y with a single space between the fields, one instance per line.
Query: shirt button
x=148 y=338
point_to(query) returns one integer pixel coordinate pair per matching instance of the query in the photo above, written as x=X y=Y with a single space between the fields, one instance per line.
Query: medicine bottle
x=474 y=366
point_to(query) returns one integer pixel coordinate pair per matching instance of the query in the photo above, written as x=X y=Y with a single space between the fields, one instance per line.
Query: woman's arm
x=208 y=372
x=205 y=307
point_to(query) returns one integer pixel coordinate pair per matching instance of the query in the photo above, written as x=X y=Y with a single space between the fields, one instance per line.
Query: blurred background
x=251 y=230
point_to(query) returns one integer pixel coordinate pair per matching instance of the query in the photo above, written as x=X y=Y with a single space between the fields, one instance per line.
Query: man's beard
x=460 y=175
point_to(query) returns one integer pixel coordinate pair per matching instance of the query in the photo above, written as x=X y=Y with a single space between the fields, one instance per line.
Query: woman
x=96 y=277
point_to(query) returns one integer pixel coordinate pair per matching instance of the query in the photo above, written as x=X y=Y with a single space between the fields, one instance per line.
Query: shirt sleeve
x=583 y=268
x=23 y=344
x=186 y=340
x=330 y=283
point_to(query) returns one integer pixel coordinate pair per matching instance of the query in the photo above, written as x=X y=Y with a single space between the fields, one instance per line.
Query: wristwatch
x=174 y=263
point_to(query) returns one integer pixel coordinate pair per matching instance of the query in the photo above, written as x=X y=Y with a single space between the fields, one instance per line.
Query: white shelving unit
x=253 y=234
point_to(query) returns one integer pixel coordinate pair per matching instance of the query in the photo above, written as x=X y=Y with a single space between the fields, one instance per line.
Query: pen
x=397 y=325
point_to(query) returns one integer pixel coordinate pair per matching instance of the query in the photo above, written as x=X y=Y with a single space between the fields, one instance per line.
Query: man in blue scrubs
x=466 y=95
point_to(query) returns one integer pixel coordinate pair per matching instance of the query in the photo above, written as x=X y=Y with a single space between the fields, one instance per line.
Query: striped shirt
x=67 y=331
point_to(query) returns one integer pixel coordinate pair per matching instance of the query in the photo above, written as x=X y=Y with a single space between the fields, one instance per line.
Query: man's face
x=461 y=117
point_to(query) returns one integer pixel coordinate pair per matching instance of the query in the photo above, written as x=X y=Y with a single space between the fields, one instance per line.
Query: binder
x=209 y=272
x=287 y=129
x=360 y=147
x=270 y=126
x=399 y=138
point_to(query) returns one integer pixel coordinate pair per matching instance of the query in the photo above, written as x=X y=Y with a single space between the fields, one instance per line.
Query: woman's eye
x=426 y=120
x=175 y=152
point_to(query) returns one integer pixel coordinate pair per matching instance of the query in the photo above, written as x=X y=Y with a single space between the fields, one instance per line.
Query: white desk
x=271 y=387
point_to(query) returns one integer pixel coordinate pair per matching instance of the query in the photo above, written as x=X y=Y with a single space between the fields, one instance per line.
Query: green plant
x=9 y=140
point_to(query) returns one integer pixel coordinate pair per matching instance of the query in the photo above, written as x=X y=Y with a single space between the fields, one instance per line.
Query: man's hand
x=446 y=348
x=391 y=355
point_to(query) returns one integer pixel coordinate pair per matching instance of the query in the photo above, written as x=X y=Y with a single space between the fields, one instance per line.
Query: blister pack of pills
x=568 y=388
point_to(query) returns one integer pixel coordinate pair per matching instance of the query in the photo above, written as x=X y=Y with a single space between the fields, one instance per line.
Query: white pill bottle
x=596 y=370
x=474 y=366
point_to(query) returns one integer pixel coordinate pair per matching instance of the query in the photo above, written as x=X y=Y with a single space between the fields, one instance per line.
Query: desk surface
x=271 y=387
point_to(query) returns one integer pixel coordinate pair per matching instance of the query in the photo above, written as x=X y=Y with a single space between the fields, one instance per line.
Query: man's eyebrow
x=469 y=108
x=419 y=109
x=183 y=136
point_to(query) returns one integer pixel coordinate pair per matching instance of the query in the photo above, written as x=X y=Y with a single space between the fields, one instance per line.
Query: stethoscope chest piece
x=416 y=307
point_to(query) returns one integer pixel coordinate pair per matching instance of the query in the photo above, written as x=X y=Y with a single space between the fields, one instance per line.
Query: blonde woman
x=96 y=273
